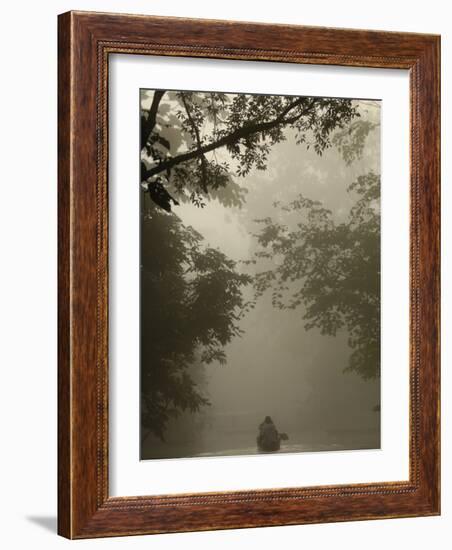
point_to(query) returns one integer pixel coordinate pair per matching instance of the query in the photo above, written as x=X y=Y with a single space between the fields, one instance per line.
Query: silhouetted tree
x=182 y=132
x=191 y=305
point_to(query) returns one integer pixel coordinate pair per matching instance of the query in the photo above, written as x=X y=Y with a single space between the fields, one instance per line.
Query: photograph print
x=259 y=274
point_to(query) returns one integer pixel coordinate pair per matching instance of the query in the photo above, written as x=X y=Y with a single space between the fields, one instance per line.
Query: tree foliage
x=191 y=307
x=350 y=141
x=330 y=270
x=195 y=143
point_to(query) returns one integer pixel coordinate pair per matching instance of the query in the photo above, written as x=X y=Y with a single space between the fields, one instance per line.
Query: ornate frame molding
x=85 y=42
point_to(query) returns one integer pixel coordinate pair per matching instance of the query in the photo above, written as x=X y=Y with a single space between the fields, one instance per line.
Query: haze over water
x=277 y=367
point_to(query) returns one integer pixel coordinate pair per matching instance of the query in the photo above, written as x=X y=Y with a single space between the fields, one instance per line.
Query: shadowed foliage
x=192 y=303
x=182 y=132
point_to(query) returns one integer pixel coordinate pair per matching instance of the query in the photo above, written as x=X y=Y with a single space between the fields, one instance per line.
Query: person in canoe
x=269 y=439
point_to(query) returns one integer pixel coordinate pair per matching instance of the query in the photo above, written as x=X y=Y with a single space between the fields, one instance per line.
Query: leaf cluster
x=330 y=270
x=192 y=303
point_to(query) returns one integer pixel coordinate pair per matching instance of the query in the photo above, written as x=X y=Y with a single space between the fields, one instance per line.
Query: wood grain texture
x=64 y=296
x=85 y=42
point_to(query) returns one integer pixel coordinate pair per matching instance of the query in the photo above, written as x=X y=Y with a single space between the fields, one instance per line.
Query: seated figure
x=269 y=439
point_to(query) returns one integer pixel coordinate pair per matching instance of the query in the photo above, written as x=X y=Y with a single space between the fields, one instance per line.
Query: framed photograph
x=248 y=275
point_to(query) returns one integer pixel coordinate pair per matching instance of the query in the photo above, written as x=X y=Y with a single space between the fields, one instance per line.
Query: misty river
x=276 y=365
x=209 y=442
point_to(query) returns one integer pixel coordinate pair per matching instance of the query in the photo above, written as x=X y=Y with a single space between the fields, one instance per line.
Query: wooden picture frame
x=86 y=40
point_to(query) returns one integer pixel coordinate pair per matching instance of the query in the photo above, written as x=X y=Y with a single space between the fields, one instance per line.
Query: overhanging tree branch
x=199 y=144
x=233 y=137
x=147 y=125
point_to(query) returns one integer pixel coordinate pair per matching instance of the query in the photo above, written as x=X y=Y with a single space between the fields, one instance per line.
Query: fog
x=277 y=367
